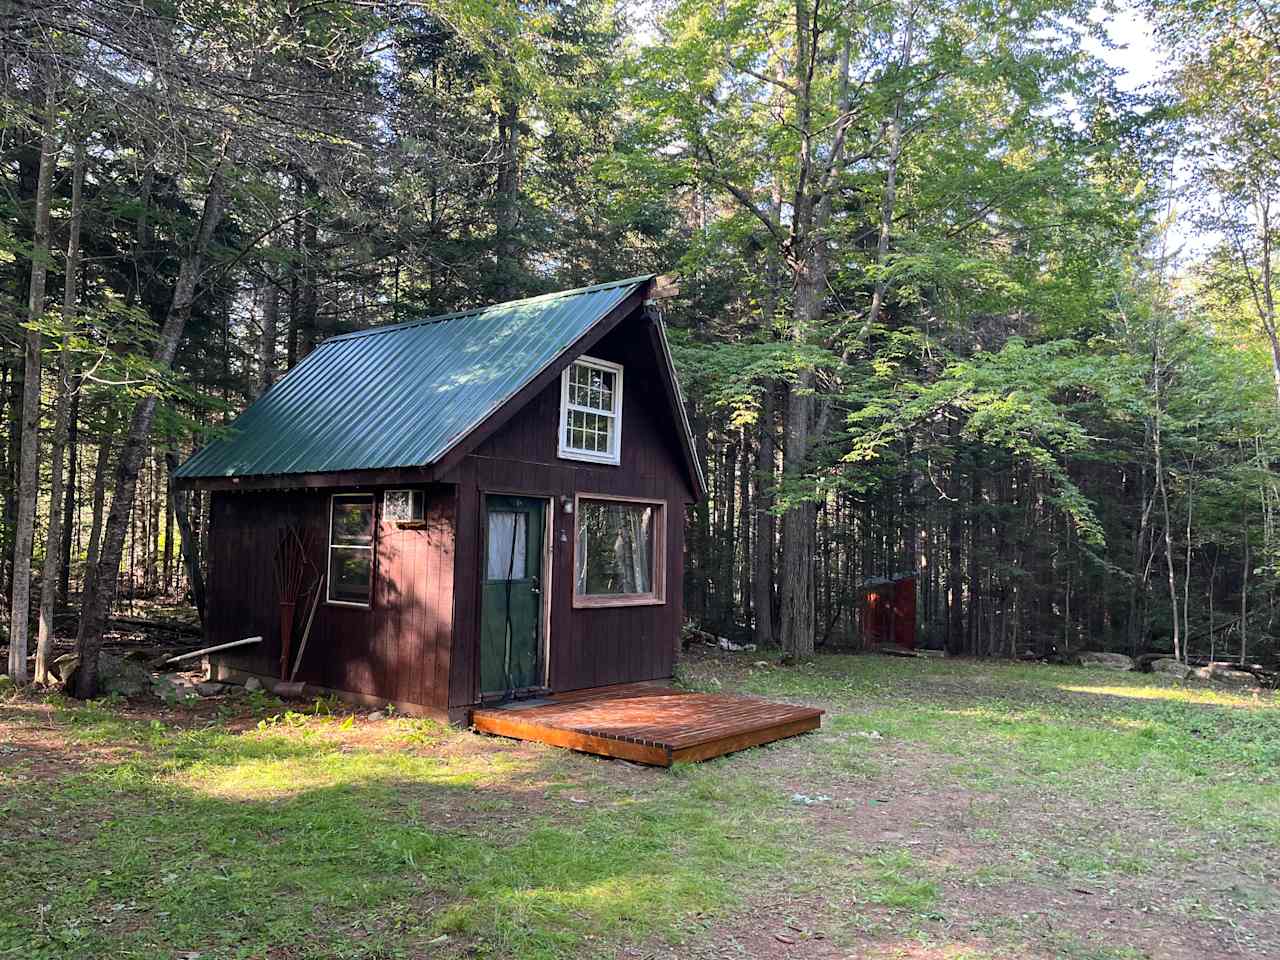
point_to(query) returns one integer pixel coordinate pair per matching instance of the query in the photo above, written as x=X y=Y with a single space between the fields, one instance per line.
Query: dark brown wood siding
x=398 y=649
x=588 y=647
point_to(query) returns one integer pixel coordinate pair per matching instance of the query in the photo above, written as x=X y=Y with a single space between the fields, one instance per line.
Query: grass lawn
x=946 y=809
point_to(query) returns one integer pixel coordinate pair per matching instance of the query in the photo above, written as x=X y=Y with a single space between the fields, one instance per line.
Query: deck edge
x=709 y=749
x=509 y=726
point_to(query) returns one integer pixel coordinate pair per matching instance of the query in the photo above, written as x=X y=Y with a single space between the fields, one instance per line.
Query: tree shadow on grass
x=287 y=847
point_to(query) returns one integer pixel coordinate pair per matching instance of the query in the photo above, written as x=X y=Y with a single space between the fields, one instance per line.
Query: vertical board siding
x=589 y=646
x=391 y=650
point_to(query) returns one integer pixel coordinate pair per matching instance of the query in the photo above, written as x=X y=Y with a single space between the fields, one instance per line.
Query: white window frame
x=329 y=547
x=614 y=455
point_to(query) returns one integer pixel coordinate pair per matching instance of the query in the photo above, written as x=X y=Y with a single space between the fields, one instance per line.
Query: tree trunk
x=763 y=541
x=167 y=577
x=1186 y=581
x=100 y=588
x=955 y=550
x=1267 y=304
x=291 y=350
x=26 y=150
x=53 y=540
x=1163 y=491
x=888 y=196
x=507 y=195
x=71 y=499
x=745 y=527
x=101 y=468
x=181 y=501
x=309 y=321
x=726 y=542
x=270 y=325
x=1244 y=595
x=799 y=528
x=29 y=456
x=1138 y=579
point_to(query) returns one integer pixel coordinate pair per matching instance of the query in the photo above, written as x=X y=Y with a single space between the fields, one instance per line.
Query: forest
x=967 y=291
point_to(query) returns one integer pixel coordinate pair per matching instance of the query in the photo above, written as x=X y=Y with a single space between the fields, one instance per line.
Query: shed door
x=511 y=616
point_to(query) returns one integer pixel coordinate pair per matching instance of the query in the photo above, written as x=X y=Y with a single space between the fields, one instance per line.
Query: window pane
x=589 y=387
x=402 y=505
x=615 y=548
x=350 y=574
x=590 y=432
x=353 y=520
x=508 y=543
x=604 y=389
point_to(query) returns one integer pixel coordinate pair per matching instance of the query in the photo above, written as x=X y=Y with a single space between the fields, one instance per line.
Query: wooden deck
x=648 y=722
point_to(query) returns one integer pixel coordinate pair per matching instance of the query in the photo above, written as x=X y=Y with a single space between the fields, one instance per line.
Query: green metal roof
x=403 y=395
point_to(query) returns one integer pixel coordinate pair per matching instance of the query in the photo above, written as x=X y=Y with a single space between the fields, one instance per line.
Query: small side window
x=402 y=506
x=351 y=532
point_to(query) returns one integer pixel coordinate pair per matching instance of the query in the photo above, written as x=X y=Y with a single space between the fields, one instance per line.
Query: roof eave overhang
x=308 y=481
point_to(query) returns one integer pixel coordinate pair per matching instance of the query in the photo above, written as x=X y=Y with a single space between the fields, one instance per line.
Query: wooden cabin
x=492 y=504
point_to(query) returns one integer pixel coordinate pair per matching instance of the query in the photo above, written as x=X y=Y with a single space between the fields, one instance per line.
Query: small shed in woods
x=489 y=504
x=889 y=611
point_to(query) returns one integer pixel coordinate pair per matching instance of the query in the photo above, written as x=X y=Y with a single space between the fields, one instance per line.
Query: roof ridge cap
x=475 y=311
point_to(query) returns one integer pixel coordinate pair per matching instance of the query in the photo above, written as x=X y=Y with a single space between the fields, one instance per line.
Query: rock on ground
x=1173 y=668
x=1113 y=661
x=1232 y=677
x=127 y=678
x=170 y=686
x=116 y=675
x=64 y=666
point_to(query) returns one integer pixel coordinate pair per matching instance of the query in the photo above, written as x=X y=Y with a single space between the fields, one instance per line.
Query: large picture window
x=591 y=411
x=351 y=532
x=618 y=553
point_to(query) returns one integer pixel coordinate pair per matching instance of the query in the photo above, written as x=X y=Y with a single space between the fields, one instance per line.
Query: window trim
x=566 y=452
x=373 y=555
x=658 y=595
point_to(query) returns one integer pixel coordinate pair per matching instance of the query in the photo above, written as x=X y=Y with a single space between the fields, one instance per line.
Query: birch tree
x=51 y=571
x=29 y=464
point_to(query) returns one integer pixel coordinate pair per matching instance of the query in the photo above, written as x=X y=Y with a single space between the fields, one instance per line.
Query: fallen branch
x=174 y=626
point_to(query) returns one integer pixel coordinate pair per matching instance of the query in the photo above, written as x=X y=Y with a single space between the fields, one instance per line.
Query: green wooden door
x=511 y=595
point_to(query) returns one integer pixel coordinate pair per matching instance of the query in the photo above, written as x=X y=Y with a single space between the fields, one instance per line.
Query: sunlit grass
x=318 y=834
x=1178 y=694
x=231 y=842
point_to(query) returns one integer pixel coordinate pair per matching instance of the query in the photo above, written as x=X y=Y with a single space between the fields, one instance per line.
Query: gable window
x=618 y=552
x=351 y=531
x=591 y=411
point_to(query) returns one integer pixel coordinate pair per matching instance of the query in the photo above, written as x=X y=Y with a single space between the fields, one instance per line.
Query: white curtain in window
x=508 y=534
x=633 y=551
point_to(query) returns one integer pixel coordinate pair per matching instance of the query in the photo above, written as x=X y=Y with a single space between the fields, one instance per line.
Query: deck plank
x=649 y=722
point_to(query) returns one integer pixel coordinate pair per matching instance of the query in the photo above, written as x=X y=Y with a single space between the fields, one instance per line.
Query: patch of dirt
x=1000 y=891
